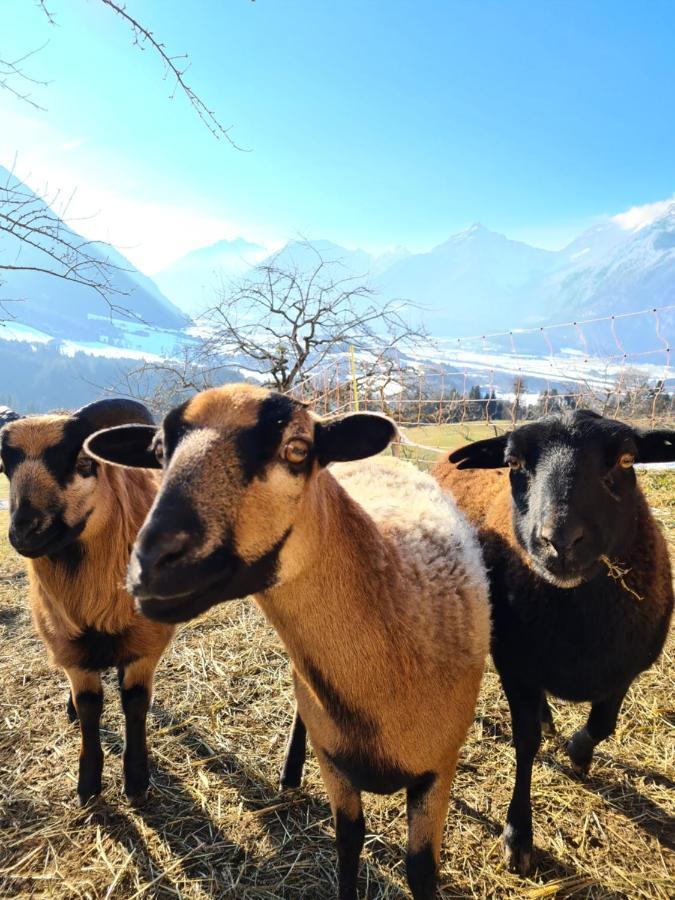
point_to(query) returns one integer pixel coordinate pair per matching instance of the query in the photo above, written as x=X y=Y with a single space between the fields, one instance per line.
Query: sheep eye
x=296 y=451
x=626 y=460
x=85 y=466
x=515 y=463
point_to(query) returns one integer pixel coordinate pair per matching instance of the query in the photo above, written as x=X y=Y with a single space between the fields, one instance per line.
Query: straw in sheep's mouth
x=618 y=573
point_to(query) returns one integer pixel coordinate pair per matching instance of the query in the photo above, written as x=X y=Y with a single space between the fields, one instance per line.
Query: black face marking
x=257 y=446
x=11 y=457
x=192 y=588
x=100 y=650
x=60 y=458
x=173 y=429
x=70 y=557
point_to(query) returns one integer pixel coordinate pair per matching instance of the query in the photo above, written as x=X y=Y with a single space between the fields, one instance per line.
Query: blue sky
x=372 y=124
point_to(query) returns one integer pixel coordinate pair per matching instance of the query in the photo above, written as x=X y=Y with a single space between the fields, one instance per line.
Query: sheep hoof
x=84 y=796
x=517 y=853
x=580 y=769
x=580 y=751
x=138 y=798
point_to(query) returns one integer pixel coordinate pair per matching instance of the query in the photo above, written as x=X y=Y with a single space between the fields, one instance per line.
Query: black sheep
x=580 y=578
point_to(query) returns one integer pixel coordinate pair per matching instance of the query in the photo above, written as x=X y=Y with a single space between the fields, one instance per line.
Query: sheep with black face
x=370 y=575
x=75 y=521
x=580 y=577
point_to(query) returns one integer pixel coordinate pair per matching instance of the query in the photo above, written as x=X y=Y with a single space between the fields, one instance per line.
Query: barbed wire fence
x=459 y=390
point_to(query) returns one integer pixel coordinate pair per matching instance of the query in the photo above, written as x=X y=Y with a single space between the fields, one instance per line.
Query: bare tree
x=315 y=331
x=282 y=324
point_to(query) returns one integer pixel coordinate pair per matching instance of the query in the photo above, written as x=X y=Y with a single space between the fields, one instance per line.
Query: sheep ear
x=113 y=411
x=487 y=454
x=656 y=446
x=355 y=436
x=125 y=445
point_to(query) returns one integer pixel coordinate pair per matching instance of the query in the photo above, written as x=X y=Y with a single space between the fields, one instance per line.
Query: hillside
x=57 y=305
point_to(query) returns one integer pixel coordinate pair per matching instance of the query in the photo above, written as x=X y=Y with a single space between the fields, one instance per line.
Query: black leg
x=296 y=749
x=71 y=712
x=601 y=723
x=525 y=708
x=89 y=707
x=427 y=803
x=547 y=723
x=135 y=703
x=349 y=836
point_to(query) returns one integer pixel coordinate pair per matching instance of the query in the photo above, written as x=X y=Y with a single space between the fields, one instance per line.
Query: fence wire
x=453 y=391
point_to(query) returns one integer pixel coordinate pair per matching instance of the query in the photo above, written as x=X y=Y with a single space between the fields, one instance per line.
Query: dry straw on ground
x=216 y=826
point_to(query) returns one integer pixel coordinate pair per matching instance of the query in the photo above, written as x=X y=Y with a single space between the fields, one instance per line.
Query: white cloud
x=638 y=217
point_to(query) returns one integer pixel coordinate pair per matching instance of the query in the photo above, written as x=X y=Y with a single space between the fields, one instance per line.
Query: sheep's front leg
x=601 y=723
x=136 y=681
x=350 y=826
x=88 y=696
x=526 y=706
x=294 y=759
x=427 y=803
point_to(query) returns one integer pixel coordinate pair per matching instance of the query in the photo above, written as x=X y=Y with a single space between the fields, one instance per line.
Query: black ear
x=125 y=445
x=355 y=436
x=656 y=446
x=487 y=454
x=111 y=412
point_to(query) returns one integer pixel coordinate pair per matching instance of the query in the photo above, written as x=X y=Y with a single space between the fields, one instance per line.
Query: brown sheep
x=580 y=579
x=371 y=577
x=75 y=521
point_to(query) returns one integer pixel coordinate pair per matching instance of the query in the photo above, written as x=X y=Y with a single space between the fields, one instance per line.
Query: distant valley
x=64 y=342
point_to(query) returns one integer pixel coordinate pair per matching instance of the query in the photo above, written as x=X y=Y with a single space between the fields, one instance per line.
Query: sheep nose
x=561 y=539
x=163 y=550
x=26 y=520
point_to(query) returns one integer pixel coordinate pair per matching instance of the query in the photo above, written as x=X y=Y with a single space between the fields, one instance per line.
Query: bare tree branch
x=285 y=328
x=13 y=78
x=45 y=245
x=173 y=66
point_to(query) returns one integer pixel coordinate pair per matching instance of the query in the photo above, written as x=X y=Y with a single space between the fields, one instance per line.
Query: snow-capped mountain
x=479 y=281
x=476 y=280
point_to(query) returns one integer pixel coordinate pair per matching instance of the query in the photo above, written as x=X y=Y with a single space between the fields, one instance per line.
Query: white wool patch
x=430 y=533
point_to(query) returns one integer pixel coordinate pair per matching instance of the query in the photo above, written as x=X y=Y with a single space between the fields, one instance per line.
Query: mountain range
x=476 y=282
x=480 y=281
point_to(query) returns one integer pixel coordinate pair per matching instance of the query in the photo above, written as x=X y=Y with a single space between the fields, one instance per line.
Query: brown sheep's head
x=238 y=461
x=573 y=488
x=53 y=484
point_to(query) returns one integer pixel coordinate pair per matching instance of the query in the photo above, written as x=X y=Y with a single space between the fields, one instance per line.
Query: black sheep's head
x=573 y=486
